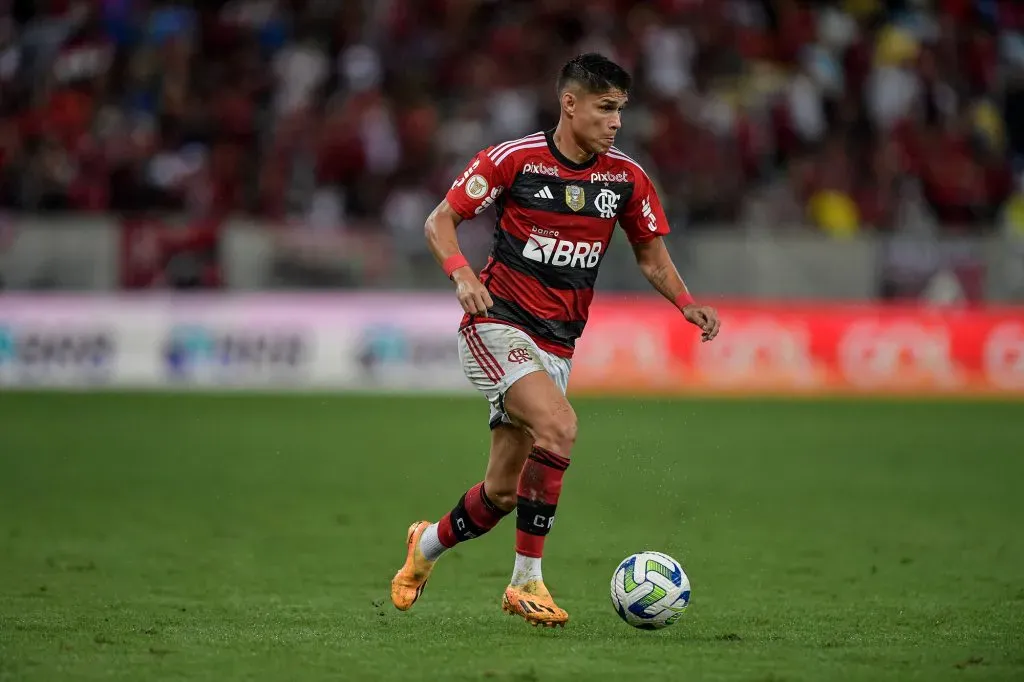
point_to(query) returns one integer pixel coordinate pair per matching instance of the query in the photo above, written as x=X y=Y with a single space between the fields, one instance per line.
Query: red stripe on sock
x=545 y=456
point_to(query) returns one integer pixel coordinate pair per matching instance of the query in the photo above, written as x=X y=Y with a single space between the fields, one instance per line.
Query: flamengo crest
x=607 y=202
x=519 y=355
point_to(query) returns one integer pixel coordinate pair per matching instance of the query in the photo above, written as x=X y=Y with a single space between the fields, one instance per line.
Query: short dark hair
x=594 y=73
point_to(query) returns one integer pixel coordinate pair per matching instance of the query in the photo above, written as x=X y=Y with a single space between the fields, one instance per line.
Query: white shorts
x=495 y=356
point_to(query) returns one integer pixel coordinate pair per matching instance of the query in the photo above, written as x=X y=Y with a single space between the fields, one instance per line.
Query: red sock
x=540 y=483
x=473 y=516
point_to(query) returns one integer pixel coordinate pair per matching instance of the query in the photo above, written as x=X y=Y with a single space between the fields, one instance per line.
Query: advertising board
x=407 y=342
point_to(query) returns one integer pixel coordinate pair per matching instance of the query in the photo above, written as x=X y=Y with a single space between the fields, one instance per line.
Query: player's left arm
x=656 y=264
x=646 y=225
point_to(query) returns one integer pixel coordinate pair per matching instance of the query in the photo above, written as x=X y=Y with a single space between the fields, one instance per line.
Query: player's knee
x=557 y=432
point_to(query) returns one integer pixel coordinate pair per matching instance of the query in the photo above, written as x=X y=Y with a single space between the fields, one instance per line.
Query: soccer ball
x=650 y=590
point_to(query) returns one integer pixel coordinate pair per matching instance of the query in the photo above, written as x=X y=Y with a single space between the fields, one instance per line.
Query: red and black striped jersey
x=555 y=221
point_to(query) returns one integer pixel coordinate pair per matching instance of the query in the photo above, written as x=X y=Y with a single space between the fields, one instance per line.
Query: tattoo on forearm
x=658 y=278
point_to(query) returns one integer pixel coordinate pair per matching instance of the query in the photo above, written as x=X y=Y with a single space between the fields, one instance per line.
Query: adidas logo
x=544 y=193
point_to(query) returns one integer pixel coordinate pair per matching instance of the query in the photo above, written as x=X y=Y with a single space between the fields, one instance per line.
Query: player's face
x=598 y=119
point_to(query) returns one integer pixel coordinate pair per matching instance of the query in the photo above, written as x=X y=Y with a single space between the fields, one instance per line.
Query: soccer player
x=558 y=195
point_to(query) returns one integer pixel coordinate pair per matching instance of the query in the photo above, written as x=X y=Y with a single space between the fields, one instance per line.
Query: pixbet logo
x=562 y=252
x=541 y=169
x=609 y=177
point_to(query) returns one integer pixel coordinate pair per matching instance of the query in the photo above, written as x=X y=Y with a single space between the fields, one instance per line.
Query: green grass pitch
x=244 y=537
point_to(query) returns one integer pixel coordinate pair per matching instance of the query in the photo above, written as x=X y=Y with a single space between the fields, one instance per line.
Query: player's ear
x=569 y=102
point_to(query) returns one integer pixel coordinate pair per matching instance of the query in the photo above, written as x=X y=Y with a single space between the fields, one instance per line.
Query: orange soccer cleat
x=408 y=583
x=534 y=603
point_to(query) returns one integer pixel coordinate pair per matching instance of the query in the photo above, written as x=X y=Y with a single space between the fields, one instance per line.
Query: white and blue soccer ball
x=650 y=590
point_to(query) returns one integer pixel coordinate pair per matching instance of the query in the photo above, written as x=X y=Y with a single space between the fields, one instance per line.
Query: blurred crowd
x=348 y=115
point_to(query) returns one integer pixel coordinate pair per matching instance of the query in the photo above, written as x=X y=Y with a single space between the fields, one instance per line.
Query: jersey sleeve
x=644 y=218
x=478 y=186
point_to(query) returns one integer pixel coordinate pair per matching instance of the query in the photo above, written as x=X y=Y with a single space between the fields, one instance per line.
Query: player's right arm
x=479 y=186
x=444 y=244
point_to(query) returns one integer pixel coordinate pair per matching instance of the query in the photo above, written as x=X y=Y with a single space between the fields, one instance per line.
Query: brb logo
x=607 y=202
x=562 y=252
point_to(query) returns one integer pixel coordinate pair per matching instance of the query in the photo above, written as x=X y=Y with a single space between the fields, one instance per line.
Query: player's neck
x=567 y=144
